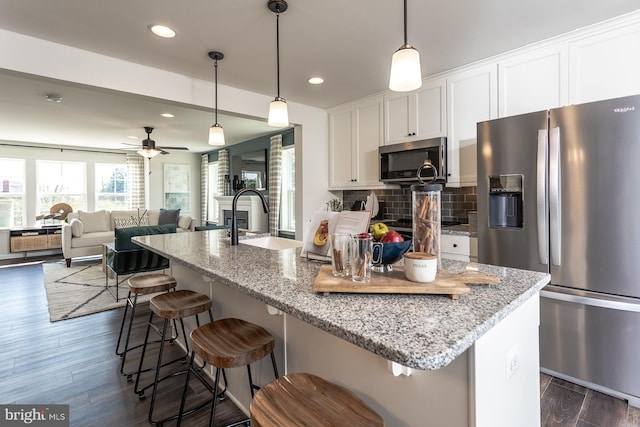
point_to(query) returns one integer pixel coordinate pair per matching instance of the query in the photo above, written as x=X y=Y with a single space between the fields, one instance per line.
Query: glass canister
x=426 y=219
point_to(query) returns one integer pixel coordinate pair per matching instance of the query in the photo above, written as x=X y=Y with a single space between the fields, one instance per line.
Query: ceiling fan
x=149 y=148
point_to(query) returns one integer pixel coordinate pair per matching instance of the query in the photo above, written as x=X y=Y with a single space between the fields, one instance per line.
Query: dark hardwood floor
x=73 y=362
x=566 y=404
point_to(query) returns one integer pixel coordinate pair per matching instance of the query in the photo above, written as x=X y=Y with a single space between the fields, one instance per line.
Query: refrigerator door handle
x=541 y=197
x=612 y=302
x=554 y=195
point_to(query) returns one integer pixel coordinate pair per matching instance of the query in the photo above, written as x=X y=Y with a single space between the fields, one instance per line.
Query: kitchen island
x=471 y=361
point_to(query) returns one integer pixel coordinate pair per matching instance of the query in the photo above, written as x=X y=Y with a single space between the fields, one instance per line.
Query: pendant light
x=216 y=133
x=278 y=113
x=405 y=65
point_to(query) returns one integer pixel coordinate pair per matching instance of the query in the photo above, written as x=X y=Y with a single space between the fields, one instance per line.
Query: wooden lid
x=179 y=304
x=419 y=255
x=230 y=343
x=151 y=283
x=302 y=399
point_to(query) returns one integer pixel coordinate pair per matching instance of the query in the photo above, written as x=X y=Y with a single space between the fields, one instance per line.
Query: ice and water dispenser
x=505 y=201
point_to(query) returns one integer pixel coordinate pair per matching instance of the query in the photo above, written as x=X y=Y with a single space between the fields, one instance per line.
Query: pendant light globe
x=405 y=70
x=405 y=65
x=278 y=113
x=278 y=110
x=216 y=133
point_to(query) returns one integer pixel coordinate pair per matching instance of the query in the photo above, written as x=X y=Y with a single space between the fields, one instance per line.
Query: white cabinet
x=472 y=97
x=605 y=65
x=416 y=115
x=355 y=134
x=533 y=81
x=459 y=247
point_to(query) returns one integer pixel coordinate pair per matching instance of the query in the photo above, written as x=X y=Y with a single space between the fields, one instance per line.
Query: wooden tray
x=394 y=282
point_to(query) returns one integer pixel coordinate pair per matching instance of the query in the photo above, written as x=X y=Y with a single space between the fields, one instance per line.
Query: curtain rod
x=61 y=149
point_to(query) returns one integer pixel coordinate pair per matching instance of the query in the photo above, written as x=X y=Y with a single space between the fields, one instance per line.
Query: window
x=111 y=186
x=60 y=182
x=288 y=196
x=213 y=192
x=12 y=197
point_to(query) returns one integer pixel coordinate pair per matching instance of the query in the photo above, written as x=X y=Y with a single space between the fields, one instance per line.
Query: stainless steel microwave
x=399 y=163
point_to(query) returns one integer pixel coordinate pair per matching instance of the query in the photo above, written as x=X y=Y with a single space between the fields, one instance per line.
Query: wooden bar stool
x=302 y=399
x=227 y=343
x=140 y=285
x=170 y=306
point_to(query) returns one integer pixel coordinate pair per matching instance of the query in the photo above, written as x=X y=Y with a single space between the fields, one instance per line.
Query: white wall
x=156 y=181
x=44 y=58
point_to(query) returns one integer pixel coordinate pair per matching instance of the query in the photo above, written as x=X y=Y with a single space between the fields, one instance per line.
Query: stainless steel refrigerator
x=559 y=191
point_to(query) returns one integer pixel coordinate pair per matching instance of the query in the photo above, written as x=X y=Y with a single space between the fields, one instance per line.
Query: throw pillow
x=184 y=222
x=77 y=227
x=131 y=221
x=94 y=221
x=168 y=216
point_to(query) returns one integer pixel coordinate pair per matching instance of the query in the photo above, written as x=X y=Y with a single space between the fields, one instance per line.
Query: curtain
x=223 y=169
x=275 y=183
x=204 y=189
x=135 y=174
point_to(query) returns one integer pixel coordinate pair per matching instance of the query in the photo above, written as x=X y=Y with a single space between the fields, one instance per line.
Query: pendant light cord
x=216 y=96
x=405 y=22
x=278 y=47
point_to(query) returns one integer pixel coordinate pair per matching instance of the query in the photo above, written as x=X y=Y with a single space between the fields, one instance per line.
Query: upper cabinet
x=605 y=65
x=355 y=133
x=533 y=81
x=472 y=97
x=600 y=62
x=416 y=115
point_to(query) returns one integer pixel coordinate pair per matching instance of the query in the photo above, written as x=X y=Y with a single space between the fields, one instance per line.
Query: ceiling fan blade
x=172 y=148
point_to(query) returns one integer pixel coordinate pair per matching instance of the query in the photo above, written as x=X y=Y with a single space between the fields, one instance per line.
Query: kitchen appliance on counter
x=400 y=162
x=557 y=192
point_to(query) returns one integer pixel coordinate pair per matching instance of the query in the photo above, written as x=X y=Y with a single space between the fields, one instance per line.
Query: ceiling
x=348 y=43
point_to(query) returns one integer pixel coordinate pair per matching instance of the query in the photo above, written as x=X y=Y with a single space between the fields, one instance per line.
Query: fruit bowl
x=385 y=254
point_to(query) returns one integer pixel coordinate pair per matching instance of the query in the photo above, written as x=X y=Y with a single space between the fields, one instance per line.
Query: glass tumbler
x=361 y=253
x=339 y=247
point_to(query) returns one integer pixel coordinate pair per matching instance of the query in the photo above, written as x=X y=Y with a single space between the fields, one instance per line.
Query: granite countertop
x=420 y=331
x=460 y=230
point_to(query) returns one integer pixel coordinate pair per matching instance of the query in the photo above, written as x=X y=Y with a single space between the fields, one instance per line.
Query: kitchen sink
x=271 y=242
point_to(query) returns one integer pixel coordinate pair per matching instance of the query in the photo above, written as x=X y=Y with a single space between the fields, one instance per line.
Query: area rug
x=79 y=290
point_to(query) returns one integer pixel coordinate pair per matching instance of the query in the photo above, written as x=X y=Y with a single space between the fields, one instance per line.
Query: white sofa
x=89 y=232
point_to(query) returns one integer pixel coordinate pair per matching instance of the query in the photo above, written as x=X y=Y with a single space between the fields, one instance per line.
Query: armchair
x=124 y=257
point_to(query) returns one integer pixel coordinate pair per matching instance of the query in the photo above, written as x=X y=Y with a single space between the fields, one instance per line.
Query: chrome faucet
x=234 y=220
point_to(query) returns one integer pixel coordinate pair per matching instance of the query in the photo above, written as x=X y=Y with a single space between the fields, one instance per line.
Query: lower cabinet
x=35 y=239
x=459 y=248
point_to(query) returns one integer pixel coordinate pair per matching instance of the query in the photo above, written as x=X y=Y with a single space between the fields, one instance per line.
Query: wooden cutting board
x=394 y=282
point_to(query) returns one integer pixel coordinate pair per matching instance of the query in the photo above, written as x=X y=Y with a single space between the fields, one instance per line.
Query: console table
x=35 y=238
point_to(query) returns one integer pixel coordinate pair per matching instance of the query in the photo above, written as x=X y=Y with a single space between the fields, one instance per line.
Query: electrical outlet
x=512 y=362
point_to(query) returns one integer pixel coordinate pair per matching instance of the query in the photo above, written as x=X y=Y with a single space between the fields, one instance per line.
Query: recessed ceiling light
x=162 y=31
x=316 y=80
x=52 y=97
x=132 y=137
x=168 y=115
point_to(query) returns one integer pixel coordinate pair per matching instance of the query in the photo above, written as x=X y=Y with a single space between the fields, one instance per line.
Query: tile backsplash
x=456 y=202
